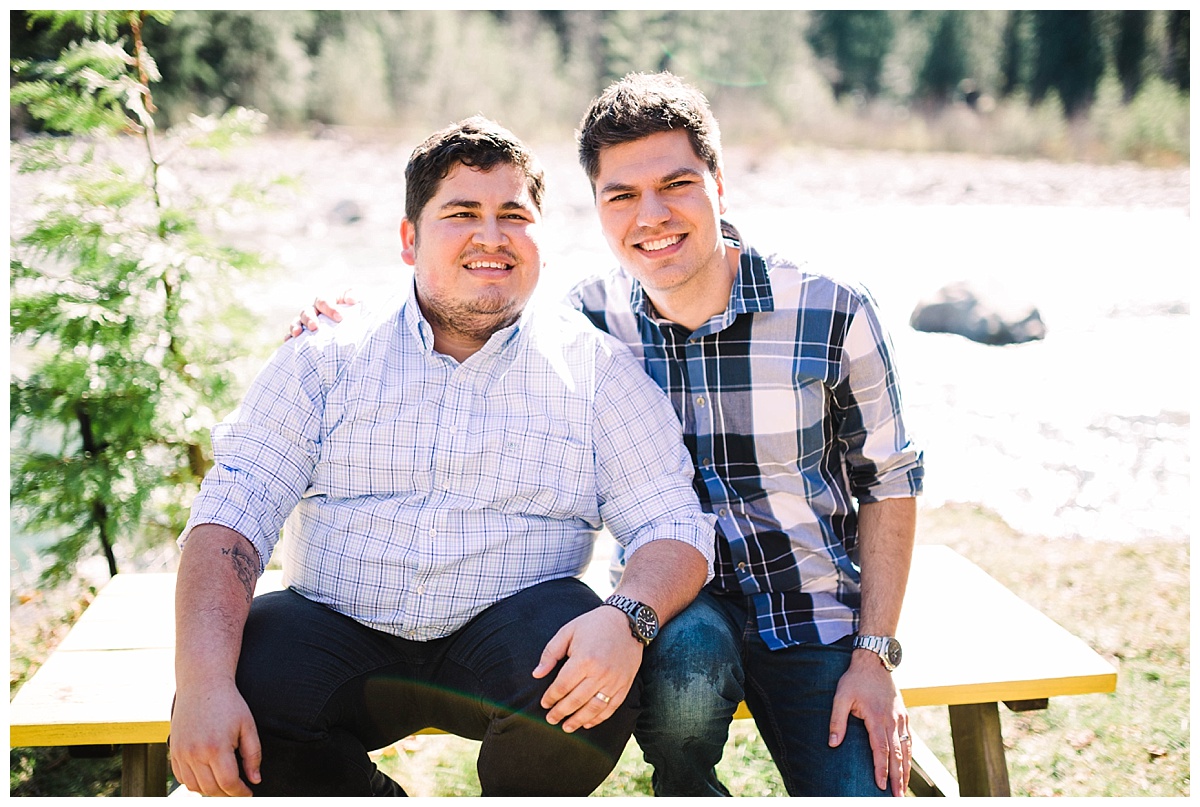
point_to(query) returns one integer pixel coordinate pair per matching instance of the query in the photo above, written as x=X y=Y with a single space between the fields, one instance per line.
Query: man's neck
x=455 y=346
x=695 y=304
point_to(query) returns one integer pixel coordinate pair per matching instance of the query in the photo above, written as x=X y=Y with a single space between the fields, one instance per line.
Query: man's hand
x=308 y=316
x=206 y=729
x=602 y=657
x=867 y=691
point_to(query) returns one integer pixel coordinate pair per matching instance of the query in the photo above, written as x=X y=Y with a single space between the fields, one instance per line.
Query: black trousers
x=324 y=690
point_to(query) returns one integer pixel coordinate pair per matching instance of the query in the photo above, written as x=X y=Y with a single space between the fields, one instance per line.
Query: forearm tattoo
x=245 y=566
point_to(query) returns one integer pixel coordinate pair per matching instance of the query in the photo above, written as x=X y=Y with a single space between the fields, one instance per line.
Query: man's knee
x=524 y=755
x=694 y=665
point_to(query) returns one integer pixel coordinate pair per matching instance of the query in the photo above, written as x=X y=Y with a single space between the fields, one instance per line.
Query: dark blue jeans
x=324 y=690
x=703 y=664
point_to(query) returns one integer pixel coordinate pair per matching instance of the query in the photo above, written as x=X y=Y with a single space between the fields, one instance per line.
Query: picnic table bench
x=969 y=644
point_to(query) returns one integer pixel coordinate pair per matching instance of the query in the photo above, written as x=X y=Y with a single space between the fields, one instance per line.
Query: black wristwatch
x=886 y=647
x=643 y=622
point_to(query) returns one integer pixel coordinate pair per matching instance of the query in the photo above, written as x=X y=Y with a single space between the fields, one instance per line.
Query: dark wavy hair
x=642 y=104
x=475 y=142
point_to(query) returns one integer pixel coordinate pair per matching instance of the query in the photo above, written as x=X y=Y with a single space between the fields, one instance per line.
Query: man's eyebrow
x=666 y=179
x=467 y=203
x=471 y=204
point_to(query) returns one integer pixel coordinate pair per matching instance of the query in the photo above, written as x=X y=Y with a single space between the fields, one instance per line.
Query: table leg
x=979 y=750
x=144 y=769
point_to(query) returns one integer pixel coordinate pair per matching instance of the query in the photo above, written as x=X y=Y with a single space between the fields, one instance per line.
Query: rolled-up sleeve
x=884 y=462
x=264 y=453
x=644 y=473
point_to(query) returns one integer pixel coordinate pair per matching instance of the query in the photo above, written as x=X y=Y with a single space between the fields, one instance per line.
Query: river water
x=1086 y=433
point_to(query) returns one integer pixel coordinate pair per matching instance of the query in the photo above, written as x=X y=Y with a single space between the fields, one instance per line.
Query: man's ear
x=720 y=178
x=408 y=238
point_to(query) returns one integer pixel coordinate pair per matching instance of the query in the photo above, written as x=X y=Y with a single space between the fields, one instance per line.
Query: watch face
x=647 y=623
x=894 y=653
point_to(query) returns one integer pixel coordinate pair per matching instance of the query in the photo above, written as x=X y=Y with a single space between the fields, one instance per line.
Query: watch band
x=886 y=647
x=643 y=621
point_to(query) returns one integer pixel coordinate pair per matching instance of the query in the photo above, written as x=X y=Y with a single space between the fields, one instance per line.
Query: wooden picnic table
x=969 y=643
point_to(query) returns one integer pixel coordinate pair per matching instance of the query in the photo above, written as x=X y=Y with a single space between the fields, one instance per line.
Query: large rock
x=989 y=317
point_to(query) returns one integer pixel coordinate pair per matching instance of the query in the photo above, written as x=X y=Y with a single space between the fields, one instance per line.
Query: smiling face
x=475 y=255
x=660 y=209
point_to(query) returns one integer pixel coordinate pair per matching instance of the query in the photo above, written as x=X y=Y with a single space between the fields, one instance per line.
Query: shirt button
x=700 y=400
x=722 y=512
x=420 y=589
x=433 y=533
x=704 y=463
x=742 y=566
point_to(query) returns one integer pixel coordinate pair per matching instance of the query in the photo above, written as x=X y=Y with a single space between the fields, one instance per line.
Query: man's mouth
x=476 y=266
x=659 y=244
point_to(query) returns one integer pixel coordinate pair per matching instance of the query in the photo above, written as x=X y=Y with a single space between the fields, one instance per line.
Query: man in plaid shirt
x=790 y=408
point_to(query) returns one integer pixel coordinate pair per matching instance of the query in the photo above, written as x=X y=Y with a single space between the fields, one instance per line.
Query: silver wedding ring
x=903 y=738
x=603 y=697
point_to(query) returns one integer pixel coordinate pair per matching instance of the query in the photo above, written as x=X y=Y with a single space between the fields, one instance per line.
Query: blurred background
x=1097 y=85
x=181 y=184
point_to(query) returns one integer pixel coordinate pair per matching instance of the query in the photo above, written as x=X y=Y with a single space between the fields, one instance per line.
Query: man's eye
x=620 y=197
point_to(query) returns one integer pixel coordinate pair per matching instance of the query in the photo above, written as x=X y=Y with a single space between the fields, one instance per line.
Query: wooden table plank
x=968 y=643
x=968 y=639
x=994 y=648
x=112 y=678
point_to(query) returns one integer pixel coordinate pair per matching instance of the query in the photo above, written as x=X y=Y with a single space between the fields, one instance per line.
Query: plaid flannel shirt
x=791 y=410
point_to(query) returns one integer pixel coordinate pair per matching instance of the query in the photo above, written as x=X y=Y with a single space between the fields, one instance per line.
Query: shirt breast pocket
x=542 y=460
x=379 y=451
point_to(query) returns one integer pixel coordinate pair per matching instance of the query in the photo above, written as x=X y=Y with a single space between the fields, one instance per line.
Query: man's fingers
x=837 y=721
x=228 y=780
x=903 y=760
x=554 y=652
x=581 y=710
x=881 y=751
x=323 y=306
x=251 y=752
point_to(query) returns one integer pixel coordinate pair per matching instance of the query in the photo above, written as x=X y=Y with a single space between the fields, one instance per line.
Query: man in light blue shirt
x=446 y=462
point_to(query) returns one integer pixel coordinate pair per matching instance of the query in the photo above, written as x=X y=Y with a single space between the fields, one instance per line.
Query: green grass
x=1129 y=602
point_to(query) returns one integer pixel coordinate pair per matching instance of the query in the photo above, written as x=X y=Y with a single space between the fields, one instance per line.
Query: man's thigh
x=306 y=669
x=493 y=659
x=790 y=692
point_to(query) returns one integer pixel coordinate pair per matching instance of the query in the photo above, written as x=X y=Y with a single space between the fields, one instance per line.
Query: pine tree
x=122 y=341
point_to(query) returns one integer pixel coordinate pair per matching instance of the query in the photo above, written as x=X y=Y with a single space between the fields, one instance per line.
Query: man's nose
x=489 y=233
x=652 y=211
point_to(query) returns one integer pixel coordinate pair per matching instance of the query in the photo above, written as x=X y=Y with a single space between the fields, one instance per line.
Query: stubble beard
x=475 y=320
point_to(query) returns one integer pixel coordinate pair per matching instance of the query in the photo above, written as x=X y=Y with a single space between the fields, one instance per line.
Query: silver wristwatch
x=643 y=621
x=886 y=647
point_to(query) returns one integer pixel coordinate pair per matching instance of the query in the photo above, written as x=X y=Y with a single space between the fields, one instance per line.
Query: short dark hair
x=642 y=104
x=475 y=142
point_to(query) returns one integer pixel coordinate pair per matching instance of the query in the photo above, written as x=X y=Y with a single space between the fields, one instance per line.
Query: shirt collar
x=751 y=290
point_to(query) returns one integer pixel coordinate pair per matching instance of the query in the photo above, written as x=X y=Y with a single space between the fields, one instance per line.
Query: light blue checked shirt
x=420 y=490
x=791 y=410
